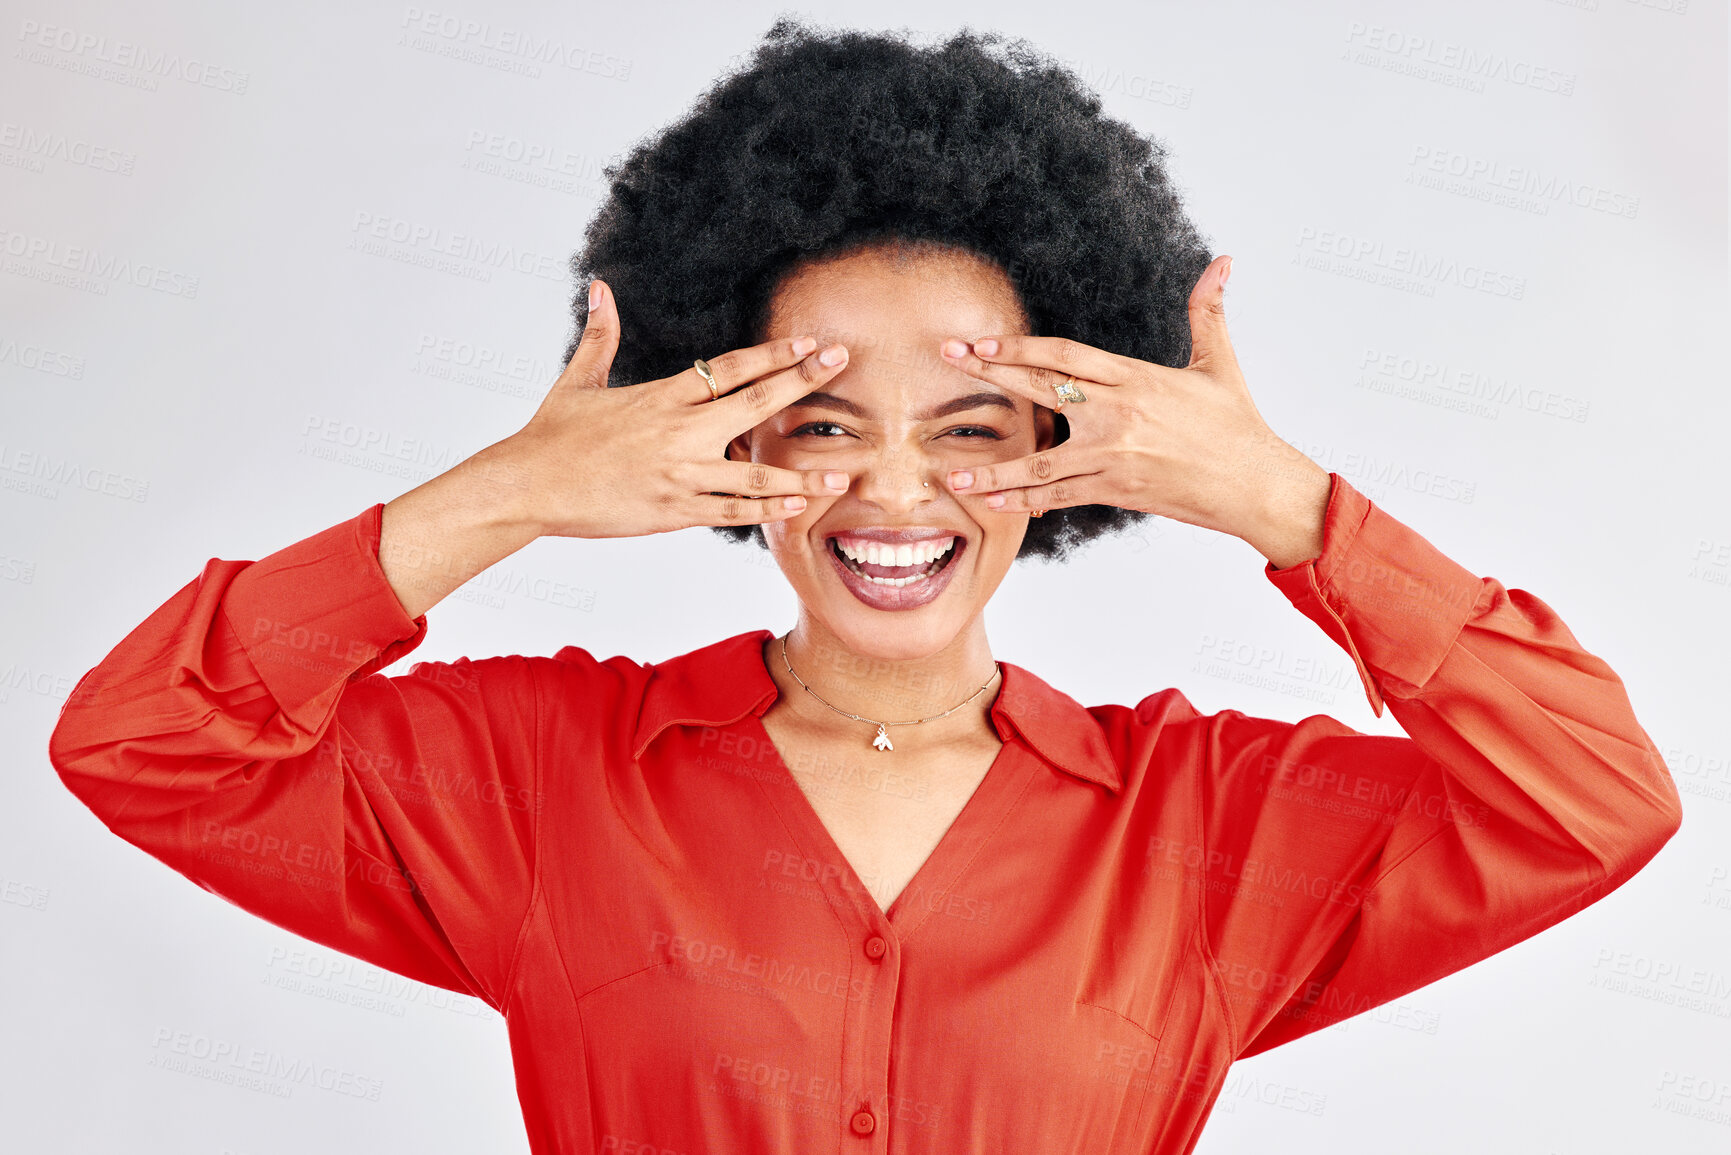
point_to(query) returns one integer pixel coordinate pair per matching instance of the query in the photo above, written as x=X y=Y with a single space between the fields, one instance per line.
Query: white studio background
x=196 y=321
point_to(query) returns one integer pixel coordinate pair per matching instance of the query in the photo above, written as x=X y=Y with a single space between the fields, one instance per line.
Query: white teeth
x=923 y=555
x=875 y=553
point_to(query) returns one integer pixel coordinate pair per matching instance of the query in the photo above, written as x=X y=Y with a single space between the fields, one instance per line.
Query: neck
x=885 y=689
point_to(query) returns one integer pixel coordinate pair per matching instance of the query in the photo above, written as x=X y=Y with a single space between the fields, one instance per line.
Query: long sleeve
x=1355 y=868
x=241 y=736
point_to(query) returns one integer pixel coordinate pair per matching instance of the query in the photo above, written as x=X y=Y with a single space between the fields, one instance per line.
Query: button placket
x=881 y=971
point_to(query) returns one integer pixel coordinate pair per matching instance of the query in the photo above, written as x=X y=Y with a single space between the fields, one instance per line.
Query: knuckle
x=757 y=395
x=758 y=476
x=810 y=370
x=727 y=365
x=730 y=508
x=1065 y=351
x=1040 y=465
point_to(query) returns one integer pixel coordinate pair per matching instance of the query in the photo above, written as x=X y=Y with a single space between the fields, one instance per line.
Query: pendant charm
x=882 y=741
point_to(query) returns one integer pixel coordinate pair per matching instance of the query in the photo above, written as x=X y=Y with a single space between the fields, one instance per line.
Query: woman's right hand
x=648 y=458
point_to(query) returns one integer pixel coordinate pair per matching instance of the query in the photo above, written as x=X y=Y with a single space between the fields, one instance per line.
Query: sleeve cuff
x=1383 y=593
x=320 y=612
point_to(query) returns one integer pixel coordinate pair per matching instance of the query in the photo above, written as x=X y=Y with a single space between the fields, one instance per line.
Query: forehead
x=896 y=297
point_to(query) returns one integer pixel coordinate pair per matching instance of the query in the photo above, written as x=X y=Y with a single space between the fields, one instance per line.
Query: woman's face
x=896 y=420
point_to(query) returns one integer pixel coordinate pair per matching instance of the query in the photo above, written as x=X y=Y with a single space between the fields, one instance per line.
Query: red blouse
x=613 y=855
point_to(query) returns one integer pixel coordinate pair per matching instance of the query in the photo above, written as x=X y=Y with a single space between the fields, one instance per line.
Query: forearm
x=442 y=533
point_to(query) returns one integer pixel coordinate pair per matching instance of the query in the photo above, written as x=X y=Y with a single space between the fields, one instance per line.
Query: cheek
x=789 y=539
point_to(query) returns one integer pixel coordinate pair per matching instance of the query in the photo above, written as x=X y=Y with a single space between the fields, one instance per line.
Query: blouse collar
x=724 y=681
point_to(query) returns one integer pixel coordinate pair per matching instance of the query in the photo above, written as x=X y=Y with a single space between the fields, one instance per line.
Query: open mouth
x=877 y=564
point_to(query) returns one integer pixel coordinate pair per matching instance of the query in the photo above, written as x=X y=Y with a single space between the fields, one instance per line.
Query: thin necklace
x=882 y=741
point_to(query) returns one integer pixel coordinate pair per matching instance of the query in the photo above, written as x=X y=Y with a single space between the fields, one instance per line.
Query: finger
x=1210 y=346
x=758 y=399
x=1077 y=489
x=1048 y=360
x=738 y=367
x=731 y=509
x=755 y=479
x=600 y=341
x=1030 y=381
x=1047 y=467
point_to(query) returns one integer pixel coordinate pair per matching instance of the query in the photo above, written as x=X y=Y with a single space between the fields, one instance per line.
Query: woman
x=859 y=886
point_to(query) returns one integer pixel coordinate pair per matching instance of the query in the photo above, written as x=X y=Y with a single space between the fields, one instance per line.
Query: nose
x=897 y=480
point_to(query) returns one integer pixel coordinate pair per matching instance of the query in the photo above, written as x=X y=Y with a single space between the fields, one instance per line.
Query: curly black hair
x=827 y=141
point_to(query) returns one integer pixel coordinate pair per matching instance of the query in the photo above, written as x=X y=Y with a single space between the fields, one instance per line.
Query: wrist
x=1293 y=505
x=496 y=488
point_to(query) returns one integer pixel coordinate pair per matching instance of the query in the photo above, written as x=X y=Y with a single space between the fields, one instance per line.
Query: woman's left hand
x=1187 y=444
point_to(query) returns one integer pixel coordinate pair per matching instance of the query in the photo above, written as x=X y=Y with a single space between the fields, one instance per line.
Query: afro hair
x=826 y=141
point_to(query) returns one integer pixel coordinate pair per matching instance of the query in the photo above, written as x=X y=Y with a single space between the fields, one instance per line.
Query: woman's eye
x=823 y=430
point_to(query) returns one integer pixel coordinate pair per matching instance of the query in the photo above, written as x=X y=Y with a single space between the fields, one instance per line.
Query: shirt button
x=875 y=946
x=864 y=1123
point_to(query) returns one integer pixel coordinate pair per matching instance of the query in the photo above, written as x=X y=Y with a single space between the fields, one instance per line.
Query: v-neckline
x=955 y=850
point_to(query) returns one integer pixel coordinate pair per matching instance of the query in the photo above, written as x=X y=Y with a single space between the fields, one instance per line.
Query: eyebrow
x=822 y=400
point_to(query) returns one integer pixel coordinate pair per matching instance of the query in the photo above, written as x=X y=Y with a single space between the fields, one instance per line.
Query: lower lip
x=909 y=597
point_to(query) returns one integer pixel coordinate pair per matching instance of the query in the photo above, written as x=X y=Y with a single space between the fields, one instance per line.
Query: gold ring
x=708 y=376
x=1067 y=391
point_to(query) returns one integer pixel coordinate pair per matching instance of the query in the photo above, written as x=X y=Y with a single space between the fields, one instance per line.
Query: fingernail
x=1226 y=272
x=832 y=356
x=793 y=502
x=986 y=346
x=955 y=348
x=960 y=478
x=594 y=293
x=996 y=501
x=835 y=480
x=804 y=345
